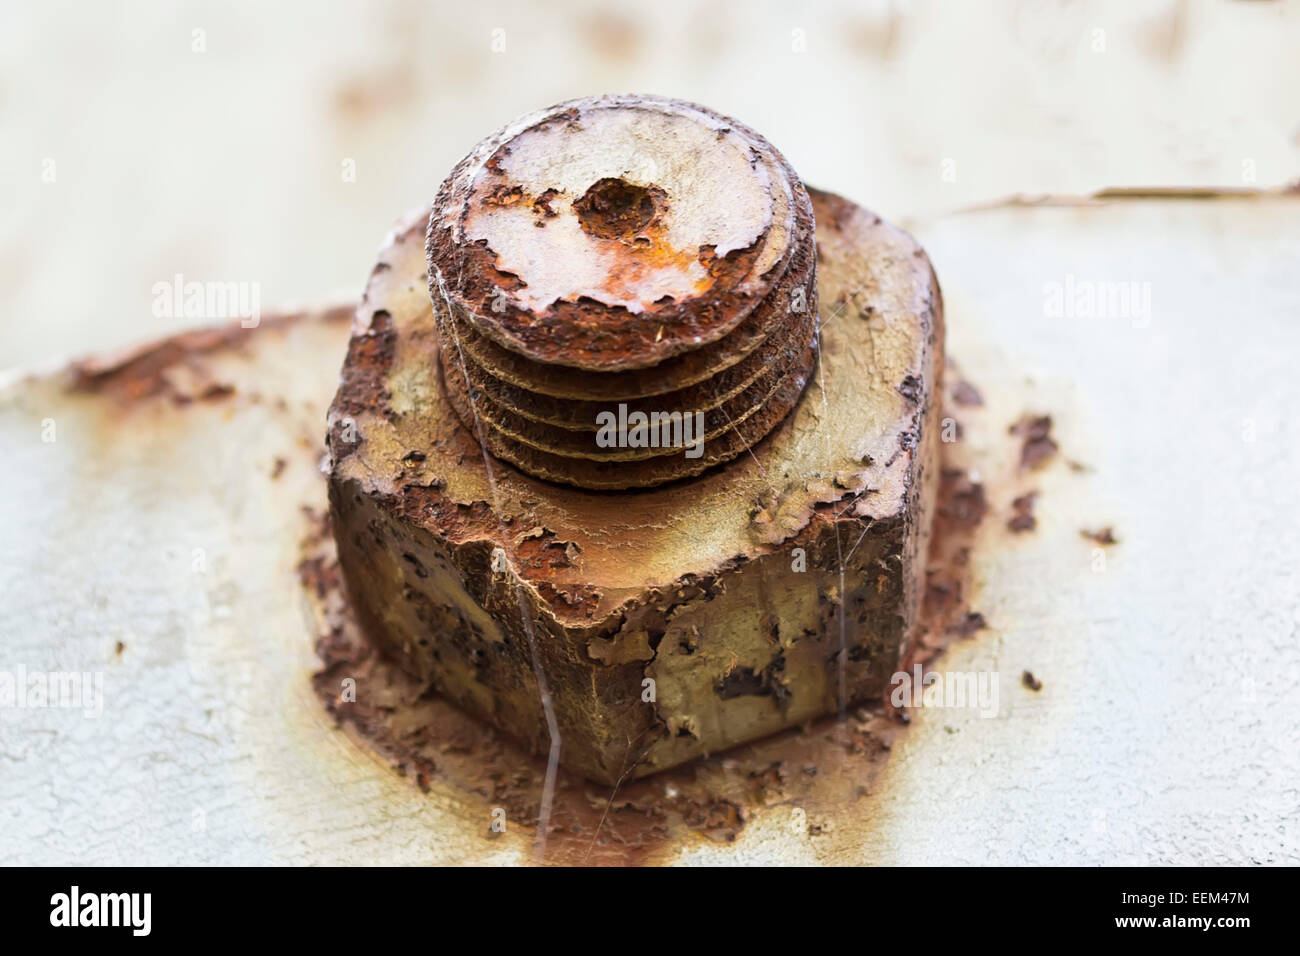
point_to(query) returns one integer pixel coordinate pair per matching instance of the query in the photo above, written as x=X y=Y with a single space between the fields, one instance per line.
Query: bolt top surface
x=613 y=232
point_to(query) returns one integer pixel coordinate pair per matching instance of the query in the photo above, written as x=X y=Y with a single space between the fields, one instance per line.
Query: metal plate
x=155 y=540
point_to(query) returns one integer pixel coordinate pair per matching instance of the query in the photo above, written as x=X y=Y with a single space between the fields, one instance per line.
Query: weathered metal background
x=156 y=537
x=245 y=141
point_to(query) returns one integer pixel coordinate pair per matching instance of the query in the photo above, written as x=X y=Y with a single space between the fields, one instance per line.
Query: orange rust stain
x=635 y=262
x=632 y=261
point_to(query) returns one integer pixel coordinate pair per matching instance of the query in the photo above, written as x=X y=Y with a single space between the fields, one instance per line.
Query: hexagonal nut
x=669 y=622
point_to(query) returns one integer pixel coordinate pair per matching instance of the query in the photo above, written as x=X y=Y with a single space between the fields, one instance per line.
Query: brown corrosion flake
x=1104 y=536
x=1038 y=445
x=1022 y=518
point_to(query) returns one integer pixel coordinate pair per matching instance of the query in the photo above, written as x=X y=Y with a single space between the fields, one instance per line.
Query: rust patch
x=567 y=327
x=1022 y=513
x=613 y=37
x=961 y=506
x=968 y=624
x=370 y=355
x=1103 y=536
x=966 y=394
x=175 y=366
x=1036 y=432
x=962 y=500
x=823 y=770
x=616 y=209
x=745 y=681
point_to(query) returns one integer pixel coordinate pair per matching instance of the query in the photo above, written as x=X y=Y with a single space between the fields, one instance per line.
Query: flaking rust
x=650 y=253
x=580 y=256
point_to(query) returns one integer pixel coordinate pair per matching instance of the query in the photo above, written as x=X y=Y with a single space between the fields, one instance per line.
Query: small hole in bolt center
x=617 y=209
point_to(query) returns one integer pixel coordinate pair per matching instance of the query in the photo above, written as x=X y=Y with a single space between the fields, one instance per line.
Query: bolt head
x=614 y=232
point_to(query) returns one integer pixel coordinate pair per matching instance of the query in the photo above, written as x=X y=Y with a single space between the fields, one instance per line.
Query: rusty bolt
x=627 y=250
x=650 y=605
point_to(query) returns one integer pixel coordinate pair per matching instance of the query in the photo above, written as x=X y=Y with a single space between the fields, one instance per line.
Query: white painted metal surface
x=1164 y=732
